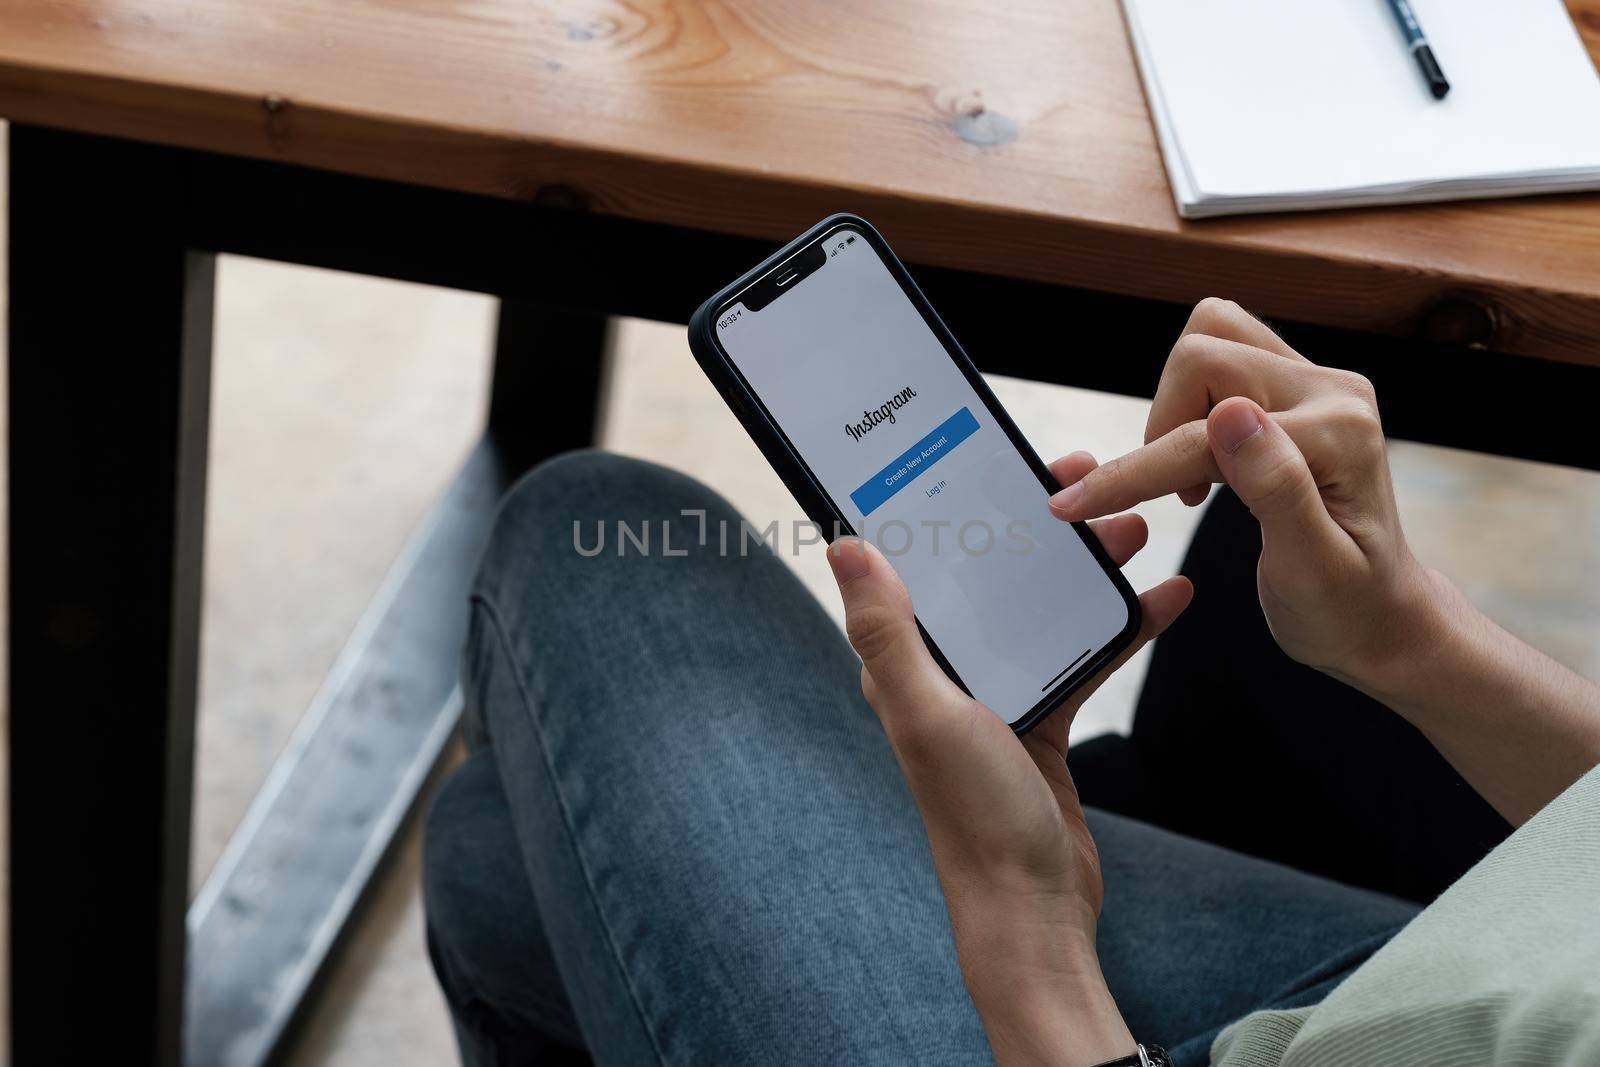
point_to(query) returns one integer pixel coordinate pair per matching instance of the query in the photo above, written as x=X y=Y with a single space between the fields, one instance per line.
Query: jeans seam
x=493 y=613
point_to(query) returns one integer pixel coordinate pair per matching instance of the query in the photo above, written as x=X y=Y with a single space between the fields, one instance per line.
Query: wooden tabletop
x=1008 y=138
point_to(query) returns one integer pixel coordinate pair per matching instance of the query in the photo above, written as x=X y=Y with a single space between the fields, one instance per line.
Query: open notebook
x=1270 y=105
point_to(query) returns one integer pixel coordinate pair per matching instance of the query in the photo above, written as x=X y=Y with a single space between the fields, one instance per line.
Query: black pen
x=1418 y=44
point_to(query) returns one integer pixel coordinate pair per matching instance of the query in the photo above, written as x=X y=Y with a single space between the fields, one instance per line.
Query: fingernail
x=848 y=558
x=1234 y=425
x=1064 y=500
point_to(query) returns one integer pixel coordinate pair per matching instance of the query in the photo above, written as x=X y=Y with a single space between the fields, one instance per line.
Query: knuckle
x=1357 y=420
x=1102 y=482
x=1108 y=471
x=1345 y=435
x=1193 y=353
x=1207 y=359
x=1280 y=484
x=1186 y=350
x=1195 y=362
x=872 y=630
x=1214 y=315
x=1356 y=385
x=1189 y=442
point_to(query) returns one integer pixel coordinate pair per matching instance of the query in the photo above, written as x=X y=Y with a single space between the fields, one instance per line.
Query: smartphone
x=881 y=427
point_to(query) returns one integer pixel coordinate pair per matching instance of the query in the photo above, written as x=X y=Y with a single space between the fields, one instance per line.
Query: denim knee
x=547 y=522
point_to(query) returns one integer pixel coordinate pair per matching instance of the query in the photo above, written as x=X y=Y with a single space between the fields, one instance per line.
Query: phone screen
x=913 y=457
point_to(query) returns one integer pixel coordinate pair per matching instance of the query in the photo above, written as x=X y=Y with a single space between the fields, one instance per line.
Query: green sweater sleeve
x=1504 y=968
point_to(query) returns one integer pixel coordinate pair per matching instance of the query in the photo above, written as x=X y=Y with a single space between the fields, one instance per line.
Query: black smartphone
x=881 y=427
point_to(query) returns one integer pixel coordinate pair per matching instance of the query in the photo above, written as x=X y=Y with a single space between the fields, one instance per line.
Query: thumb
x=901 y=677
x=1263 y=465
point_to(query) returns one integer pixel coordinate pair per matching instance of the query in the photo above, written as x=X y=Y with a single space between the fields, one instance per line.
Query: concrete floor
x=342 y=403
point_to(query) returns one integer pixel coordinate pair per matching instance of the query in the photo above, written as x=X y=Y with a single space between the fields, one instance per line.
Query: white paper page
x=1177 y=172
x=1310 y=97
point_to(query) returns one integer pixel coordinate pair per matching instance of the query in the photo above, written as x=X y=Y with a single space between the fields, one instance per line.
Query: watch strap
x=1143 y=1056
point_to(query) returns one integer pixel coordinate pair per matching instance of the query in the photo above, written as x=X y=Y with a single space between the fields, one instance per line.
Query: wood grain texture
x=1011 y=139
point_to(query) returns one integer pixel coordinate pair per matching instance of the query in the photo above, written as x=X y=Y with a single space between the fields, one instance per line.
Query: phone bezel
x=815 y=499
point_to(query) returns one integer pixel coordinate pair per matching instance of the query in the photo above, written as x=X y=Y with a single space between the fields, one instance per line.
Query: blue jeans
x=680 y=836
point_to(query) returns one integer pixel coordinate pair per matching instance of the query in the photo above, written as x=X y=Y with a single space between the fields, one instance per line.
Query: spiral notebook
x=1263 y=105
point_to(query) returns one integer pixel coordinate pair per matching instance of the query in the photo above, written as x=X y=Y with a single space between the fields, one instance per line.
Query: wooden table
x=581 y=160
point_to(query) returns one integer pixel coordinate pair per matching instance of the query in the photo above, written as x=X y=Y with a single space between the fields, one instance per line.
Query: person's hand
x=1303 y=447
x=1020 y=873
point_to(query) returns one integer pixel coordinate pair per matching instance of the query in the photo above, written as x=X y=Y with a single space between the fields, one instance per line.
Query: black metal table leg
x=110 y=350
x=297 y=869
x=267 y=920
x=550 y=373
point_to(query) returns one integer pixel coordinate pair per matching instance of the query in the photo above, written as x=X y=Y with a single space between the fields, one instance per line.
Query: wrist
x=1041 y=1019
x=1037 y=985
x=1418 y=645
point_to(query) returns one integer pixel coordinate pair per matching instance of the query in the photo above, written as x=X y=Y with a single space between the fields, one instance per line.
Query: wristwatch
x=1145 y=1056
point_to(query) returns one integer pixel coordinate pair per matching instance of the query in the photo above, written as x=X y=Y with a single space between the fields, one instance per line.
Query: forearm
x=1518 y=726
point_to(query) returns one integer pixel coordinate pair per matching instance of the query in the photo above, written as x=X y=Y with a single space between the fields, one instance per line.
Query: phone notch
x=784 y=277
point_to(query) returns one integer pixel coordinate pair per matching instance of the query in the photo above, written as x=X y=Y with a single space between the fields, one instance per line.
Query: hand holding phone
x=878 y=423
x=1013 y=852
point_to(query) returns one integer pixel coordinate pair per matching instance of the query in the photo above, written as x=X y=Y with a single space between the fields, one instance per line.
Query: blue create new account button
x=914 y=461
